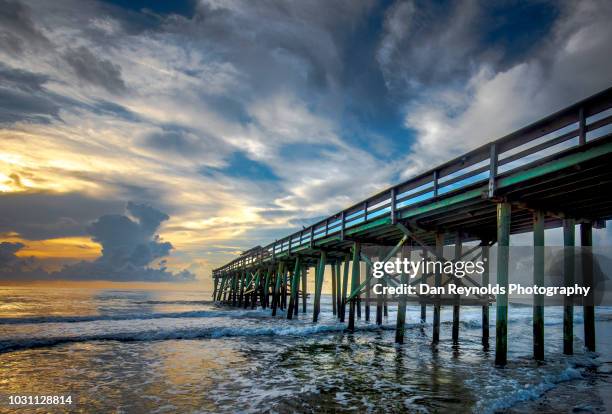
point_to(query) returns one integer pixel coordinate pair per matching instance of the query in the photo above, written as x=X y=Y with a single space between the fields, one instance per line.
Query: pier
x=554 y=173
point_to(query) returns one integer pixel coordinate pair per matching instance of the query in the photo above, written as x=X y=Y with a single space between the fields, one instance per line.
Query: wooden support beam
x=245 y=289
x=423 y=279
x=256 y=290
x=568 y=279
x=266 y=291
x=214 y=295
x=284 y=288
x=485 y=307
x=385 y=283
x=503 y=243
x=338 y=298
x=345 y=274
x=295 y=280
x=457 y=306
x=437 y=283
x=219 y=293
x=538 y=279
x=358 y=297
x=304 y=288
x=235 y=289
x=379 y=302
x=354 y=284
x=319 y=286
x=277 y=284
x=334 y=287
x=241 y=281
x=400 y=326
x=367 y=291
x=586 y=241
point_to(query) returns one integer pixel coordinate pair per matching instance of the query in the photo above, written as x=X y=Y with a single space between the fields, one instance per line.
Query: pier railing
x=573 y=126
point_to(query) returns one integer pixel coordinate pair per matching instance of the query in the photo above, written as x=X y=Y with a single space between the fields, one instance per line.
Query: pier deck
x=556 y=172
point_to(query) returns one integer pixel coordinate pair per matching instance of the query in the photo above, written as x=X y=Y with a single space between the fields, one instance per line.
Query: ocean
x=155 y=351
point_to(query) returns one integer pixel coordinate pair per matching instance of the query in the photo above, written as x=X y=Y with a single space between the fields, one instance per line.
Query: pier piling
x=568 y=279
x=588 y=309
x=503 y=254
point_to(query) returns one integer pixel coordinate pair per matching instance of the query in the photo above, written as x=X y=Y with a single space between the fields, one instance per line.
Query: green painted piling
x=295 y=280
x=266 y=291
x=538 y=279
x=367 y=292
x=568 y=279
x=437 y=282
x=304 y=287
x=345 y=274
x=334 y=309
x=234 y=289
x=241 y=284
x=283 y=299
x=276 y=292
x=457 y=298
x=400 y=326
x=319 y=276
x=338 y=297
x=485 y=307
x=354 y=284
x=424 y=306
x=586 y=240
x=379 y=306
x=503 y=242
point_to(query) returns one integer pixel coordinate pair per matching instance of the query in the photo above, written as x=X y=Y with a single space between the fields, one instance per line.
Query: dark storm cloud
x=13 y=267
x=23 y=96
x=130 y=246
x=177 y=141
x=17 y=30
x=277 y=43
x=8 y=250
x=130 y=240
x=431 y=44
x=95 y=70
x=45 y=215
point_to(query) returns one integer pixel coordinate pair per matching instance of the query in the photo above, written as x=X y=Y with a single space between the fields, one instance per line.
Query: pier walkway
x=555 y=172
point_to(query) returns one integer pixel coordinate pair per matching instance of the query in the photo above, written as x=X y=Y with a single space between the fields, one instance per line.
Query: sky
x=154 y=141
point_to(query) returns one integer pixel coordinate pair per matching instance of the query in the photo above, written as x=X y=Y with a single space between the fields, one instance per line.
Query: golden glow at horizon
x=57 y=160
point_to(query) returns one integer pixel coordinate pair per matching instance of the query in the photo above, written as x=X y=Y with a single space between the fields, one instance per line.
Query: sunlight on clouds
x=81 y=248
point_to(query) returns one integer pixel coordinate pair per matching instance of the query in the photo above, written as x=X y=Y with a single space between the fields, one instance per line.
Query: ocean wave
x=124 y=317
x=189 y=333
x=574 y=370
x=175 y=302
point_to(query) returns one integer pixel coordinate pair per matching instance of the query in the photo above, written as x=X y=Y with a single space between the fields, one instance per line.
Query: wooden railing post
x=493 y=160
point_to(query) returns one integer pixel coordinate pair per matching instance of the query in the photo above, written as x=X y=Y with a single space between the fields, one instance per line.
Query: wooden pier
x=555 y=172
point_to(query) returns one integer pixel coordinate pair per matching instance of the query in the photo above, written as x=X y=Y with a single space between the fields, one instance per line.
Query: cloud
x=240 y=118
x=17 y=30
x=130 y=246
x=23 y=96
x=489 y=103
x=94 y=70
x=430 y=45
x=13 y=267
x=48 y=215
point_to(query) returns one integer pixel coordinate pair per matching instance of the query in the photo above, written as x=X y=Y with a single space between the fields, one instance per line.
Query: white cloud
x=571 y=66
